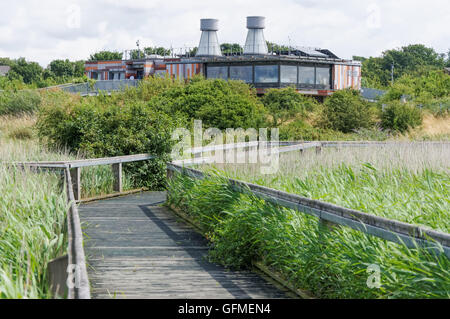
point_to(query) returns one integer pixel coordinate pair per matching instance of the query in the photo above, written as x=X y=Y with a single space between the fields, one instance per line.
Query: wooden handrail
x=76 y=256
x=388 y=229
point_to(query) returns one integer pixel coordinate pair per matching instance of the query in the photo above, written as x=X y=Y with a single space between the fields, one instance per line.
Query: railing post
x=117 y=172
x=75 y=175
x=318 y=149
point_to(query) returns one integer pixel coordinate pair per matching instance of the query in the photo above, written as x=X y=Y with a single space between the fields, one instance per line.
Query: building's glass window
x=94 y=75
x=288 y=74
x=217 y=72
x=306 y=75
x=266 y=73
x=323 y=76
x=243 y=73
x=111 y=76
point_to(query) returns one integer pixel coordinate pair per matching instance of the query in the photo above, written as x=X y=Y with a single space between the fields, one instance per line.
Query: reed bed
x=409 y=182
x=405 y=181
x=33 y=210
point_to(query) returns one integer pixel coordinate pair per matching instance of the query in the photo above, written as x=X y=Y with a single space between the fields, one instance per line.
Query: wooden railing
x=74 y=264
x=392 y=230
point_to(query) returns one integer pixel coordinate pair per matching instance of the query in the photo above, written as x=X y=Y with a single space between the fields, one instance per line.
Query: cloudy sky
x=43 y=30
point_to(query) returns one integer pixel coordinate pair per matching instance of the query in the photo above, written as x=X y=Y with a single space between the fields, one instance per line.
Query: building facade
x=312 y=71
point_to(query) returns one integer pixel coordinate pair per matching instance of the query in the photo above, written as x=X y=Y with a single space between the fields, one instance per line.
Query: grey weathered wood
x=75 y=175
x=136 y=249
x=117 y=173
x=76 y=256
x=388 y=229
x=57 y=276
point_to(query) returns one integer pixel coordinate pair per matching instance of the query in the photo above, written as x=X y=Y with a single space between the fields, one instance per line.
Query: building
x=313 y=71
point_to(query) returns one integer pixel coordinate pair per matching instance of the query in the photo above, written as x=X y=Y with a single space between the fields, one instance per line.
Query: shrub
x=301 y=131
x=282 y=104
x=99 y=131
x=398 y=116
x=346 y=111
x=20 y=102
x=218 y=103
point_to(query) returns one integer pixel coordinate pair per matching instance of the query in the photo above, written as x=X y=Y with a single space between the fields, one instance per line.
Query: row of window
x=288 y=74
x=111 y=75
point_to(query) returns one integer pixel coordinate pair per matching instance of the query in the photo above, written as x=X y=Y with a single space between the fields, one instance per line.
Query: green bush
x=398 y=116
x=218 y=103
x=282 y=104
x=20 y=102
x=346 y=111
x=301 y=131
x=104 y=131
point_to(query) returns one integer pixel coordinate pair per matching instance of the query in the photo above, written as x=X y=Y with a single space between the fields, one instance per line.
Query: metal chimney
x=255 y=43
x=209 y=44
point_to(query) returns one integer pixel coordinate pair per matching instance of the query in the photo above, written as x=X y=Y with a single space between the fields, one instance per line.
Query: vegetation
x=283 y=104
x=16 y=103
x=105 y=56
x=408 y=60
x=330 y=264
x=346 y=111
x=400 y=117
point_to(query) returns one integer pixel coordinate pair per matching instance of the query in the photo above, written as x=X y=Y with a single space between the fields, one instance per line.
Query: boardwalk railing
x=403 y=233
x=78 y=281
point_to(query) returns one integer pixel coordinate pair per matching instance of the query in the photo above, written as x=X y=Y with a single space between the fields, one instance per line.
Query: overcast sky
x=44 y=30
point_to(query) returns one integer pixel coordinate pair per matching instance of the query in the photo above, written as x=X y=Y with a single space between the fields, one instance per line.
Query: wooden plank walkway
x=138 y=249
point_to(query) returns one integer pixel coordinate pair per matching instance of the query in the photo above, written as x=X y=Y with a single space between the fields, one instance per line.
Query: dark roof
x=4 y=69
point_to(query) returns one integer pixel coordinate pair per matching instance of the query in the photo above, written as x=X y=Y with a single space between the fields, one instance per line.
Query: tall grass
x=33 y=210
x=331 y=264
x=405 y=182
x=32 y=222
x=408 y=182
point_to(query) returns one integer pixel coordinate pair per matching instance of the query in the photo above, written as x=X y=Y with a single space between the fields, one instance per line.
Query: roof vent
x=209 y=44
x=255 y=43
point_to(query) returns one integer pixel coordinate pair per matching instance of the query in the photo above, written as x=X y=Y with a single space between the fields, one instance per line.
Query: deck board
x=136 y=248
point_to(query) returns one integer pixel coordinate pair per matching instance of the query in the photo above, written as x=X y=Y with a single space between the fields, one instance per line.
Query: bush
x=282 y=104
x=104 y=131
x=20 y=102
x=301 y=131
x=346 y=111
x=398 y=116
x=218 y=103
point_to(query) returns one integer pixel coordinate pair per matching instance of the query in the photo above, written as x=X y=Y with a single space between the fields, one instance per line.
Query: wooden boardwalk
x=137 y=249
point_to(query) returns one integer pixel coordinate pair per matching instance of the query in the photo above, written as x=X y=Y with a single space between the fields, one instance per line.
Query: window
x=217 y=72
x=323 y=76
x=94 y=75
x=306 y=75
x=111 y=76
x=266 y=73
x=243 y=73
x=288 y=74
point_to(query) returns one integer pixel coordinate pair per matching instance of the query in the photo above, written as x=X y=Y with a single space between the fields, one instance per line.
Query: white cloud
x=45 y=30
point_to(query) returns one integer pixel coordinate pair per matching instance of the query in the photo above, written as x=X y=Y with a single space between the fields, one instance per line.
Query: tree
x=283 y=104
x=106 y=56
x=61 y=68
x=157 y=50
x=230 y=48
x=29 y=72
x=414 y=59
